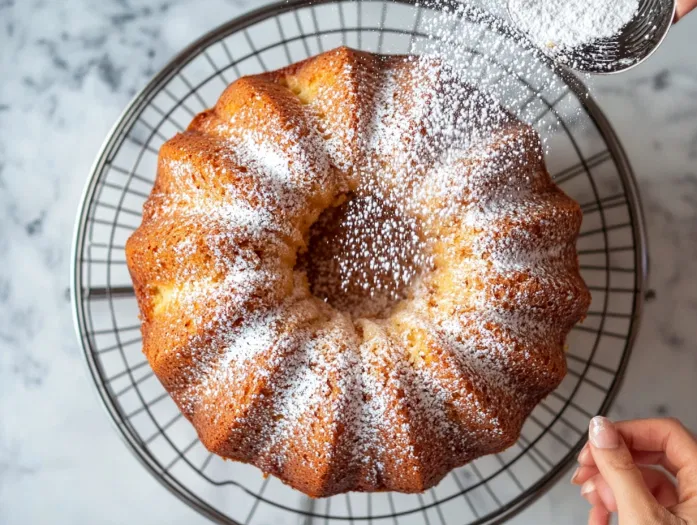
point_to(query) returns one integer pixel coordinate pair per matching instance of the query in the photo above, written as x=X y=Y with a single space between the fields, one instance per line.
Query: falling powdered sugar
x=418 y=208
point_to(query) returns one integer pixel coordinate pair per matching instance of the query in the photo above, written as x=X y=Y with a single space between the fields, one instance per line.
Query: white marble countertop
x=67 y=69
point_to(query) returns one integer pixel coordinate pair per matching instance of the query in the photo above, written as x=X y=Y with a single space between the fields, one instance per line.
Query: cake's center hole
x=363 y=255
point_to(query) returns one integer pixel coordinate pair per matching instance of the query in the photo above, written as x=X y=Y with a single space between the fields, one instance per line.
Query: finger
x=641 y=457
x=585 y=457
x=662 y=488
x=684 y=7
x=685 y=511
x=583 y=474
x=664 y=442
x=666 y=493
x=615 y=463
x=656 y=481
x=667 y=435
x=598 y=516
x=590 y=493
x=598 y=492
x=674 y=441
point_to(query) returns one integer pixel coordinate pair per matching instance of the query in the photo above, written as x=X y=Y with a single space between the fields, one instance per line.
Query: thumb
x=635 y=503
x=683 y=7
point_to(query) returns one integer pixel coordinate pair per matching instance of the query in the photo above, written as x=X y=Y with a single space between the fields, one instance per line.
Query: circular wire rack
x=584 y=156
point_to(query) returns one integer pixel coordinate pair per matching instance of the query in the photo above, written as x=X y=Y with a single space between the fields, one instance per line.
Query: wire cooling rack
x=585 y=157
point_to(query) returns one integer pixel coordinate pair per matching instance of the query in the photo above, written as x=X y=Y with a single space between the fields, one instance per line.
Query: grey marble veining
x=67 y=69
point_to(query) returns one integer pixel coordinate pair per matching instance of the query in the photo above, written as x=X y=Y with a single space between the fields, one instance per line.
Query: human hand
x=615 y=477
x=684 y=7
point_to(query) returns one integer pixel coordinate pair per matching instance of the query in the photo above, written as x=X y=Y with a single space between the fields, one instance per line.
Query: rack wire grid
x=584 y=155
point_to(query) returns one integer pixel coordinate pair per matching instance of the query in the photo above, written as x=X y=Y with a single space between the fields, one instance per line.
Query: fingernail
x=602 y=433
x=575 y=475
x=582 y=457
x=587 y=487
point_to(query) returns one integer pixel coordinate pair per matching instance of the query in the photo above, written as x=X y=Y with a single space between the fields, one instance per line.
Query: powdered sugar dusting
x=563 y=26
x=356 y=251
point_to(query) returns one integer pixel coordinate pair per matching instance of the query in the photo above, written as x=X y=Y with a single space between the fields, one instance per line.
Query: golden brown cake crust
x=327 y=353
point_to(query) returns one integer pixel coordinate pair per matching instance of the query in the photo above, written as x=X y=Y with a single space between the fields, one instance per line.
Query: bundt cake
x=356 y=274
